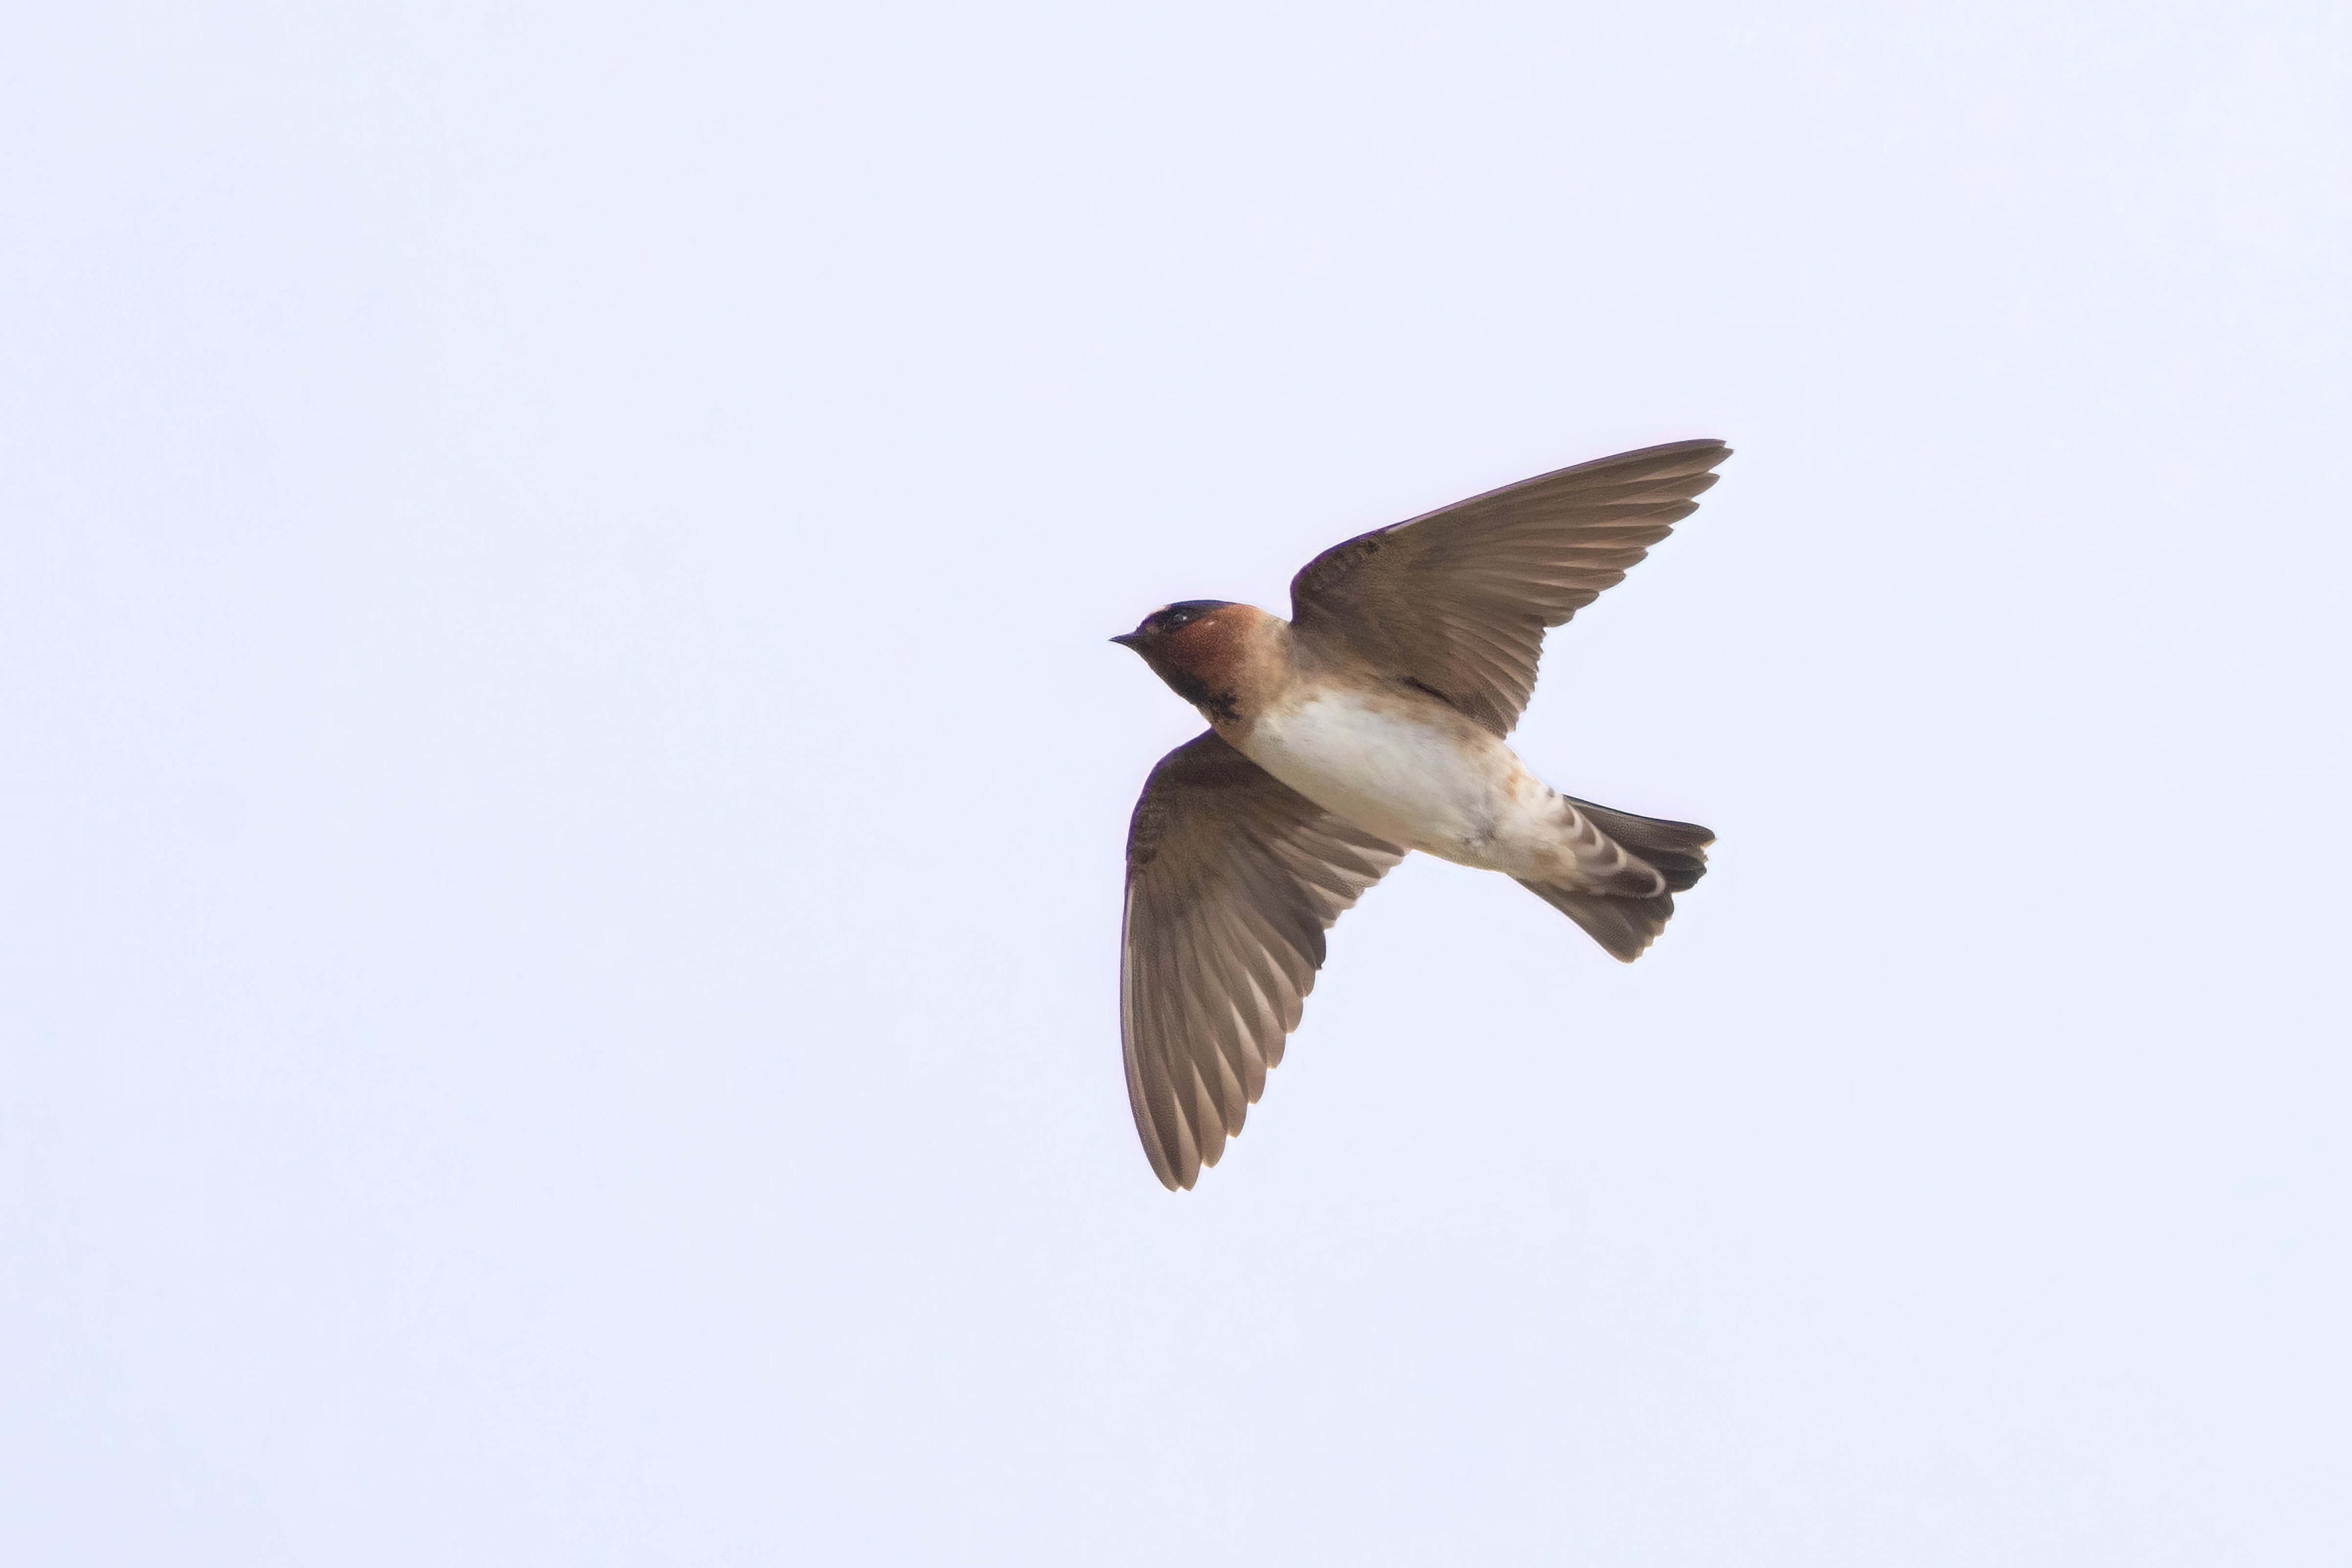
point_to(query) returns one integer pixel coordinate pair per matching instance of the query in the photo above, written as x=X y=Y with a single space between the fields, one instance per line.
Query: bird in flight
x=1370 y=724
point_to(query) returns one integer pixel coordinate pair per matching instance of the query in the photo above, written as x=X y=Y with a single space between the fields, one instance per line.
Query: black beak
x=1129 y=640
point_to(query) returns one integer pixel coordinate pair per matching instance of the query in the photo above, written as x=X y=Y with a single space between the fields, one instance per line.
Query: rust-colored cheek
x=1207 y=649
x=1209 y=663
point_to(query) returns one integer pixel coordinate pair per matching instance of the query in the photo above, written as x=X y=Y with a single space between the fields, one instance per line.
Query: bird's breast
x=1408 y=769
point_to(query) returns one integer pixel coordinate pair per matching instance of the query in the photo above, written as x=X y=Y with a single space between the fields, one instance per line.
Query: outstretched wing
x=1232 y=879
x=1457 y=601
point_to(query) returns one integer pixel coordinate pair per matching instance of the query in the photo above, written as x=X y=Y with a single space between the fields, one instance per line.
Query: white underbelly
x=1450 y=790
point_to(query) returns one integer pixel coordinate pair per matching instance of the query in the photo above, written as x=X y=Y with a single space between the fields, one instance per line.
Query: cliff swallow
x=1371 y=724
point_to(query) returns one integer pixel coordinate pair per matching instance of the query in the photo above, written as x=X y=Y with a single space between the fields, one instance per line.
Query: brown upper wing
x=1232 y=879
x=1458 y=600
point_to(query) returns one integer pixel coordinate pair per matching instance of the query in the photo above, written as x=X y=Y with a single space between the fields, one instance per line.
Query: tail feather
x=1625 y=926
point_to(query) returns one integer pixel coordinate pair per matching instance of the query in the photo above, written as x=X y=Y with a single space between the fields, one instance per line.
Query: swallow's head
x=1160 y=629
x=1202 y=648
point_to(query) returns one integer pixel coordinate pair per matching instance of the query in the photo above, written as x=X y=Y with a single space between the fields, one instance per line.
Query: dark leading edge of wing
x=1458 y=600
x=1232 y=879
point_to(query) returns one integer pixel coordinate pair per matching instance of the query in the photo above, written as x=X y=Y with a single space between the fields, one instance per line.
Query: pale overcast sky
x=563 y=788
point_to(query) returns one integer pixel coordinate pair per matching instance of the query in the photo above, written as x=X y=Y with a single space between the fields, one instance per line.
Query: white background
x=562 y=786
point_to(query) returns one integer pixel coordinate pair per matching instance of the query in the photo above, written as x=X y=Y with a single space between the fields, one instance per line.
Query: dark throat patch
x=1193 y=690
